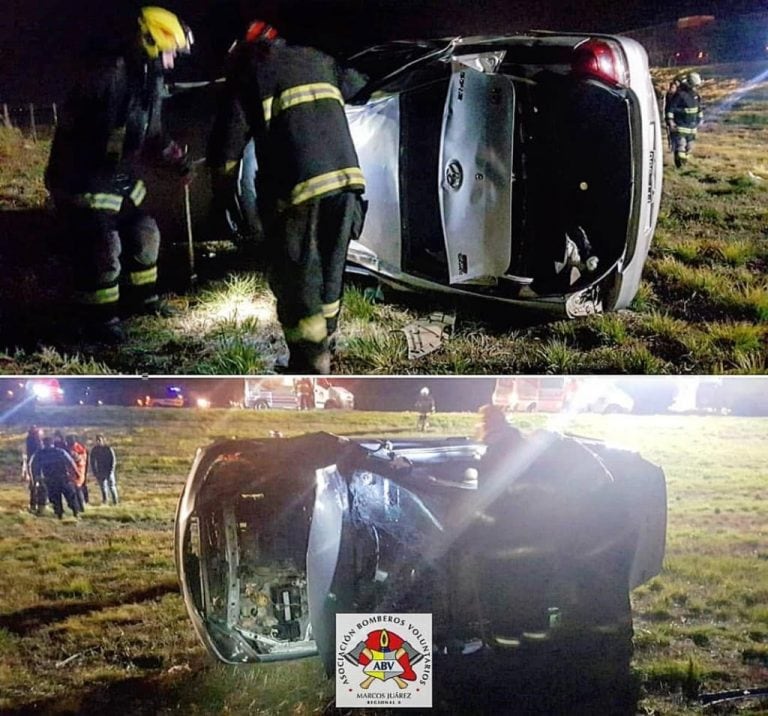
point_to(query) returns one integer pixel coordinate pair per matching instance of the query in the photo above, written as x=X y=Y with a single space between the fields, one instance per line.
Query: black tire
x=261 y=405
x=332 y=405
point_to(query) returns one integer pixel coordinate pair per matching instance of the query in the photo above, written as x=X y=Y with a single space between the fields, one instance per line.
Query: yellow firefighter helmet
x=694 y=79
x=161 y=31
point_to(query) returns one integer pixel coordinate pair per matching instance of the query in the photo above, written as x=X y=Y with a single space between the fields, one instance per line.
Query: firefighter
x=58 y=470
x=290 y=101
x=79 y=454
x=425 y=406
x=110 y=123
x=684 y=114
x=305 y=393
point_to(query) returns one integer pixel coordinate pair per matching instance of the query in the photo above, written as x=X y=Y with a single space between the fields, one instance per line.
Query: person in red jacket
x=79 y=454
x=289 y=100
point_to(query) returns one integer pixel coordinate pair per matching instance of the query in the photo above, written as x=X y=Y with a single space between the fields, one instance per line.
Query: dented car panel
x=507 y=168
x=274 y=537
x=525 y=175
x=476 y=181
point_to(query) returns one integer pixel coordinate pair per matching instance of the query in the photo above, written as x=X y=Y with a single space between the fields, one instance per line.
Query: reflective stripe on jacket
x=685 y=110
x=110 y=113
x=291 y=100
x=109 y=201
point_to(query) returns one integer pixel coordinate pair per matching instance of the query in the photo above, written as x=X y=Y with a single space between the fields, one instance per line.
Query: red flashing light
x=602 y=60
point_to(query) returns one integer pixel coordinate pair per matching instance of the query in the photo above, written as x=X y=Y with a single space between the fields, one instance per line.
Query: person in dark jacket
x=103 y=462
x=290 y=101
x=110 y=123
x=33 y=441
x=58 y=470
x=37 y=493
x=684 y=113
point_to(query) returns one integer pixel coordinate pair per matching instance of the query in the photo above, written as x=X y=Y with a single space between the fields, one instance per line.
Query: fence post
x=6 y=116
x=55 y=115
x=32 y=121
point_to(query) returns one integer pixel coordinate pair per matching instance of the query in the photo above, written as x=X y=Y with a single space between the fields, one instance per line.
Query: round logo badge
x=454 y=174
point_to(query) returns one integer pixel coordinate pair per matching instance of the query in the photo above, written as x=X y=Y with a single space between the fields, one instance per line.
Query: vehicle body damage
x=525 y=169
x=276 y=536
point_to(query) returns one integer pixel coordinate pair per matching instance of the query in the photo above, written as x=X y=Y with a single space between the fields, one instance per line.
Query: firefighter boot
x=99 y=324
x=309 y=358
x=157 y=307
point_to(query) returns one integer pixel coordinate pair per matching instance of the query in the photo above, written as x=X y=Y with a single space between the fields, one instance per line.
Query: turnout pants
x=114 y=247
x=307 y=252
x=682 y=146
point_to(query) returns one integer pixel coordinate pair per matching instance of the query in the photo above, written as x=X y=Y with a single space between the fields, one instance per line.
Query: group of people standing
x=56 y=470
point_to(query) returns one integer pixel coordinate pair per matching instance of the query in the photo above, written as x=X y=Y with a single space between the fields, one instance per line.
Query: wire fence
x=36 y=120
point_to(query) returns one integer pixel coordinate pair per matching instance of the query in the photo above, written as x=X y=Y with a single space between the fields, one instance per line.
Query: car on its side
x=525 y=169
x=274 y=537
x=522 y=168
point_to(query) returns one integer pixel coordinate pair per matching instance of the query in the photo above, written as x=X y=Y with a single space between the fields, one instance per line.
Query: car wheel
x=332 y=405
x=261 y=405
x=531 y=408
x=613 y=409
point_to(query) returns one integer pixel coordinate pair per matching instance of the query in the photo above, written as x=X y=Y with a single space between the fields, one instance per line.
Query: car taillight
x=601 y=59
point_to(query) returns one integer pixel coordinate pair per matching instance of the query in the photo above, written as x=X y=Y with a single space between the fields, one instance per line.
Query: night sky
x=40 y=39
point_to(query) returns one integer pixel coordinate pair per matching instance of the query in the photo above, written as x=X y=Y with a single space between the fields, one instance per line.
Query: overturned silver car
x=525 y=169
x=505 y=548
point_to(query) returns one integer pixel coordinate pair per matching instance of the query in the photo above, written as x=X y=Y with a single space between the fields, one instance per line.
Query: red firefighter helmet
x=260 y=30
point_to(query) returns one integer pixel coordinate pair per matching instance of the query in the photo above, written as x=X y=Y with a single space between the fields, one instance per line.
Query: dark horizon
x=40 y=42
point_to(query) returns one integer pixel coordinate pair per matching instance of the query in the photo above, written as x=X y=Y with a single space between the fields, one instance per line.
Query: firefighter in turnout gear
x=684 y=114
x=425 y=406
x=290 y=101
x=109 y=125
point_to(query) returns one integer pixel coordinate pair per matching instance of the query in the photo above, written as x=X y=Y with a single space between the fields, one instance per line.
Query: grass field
x=91 y=620
x=702 y=306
